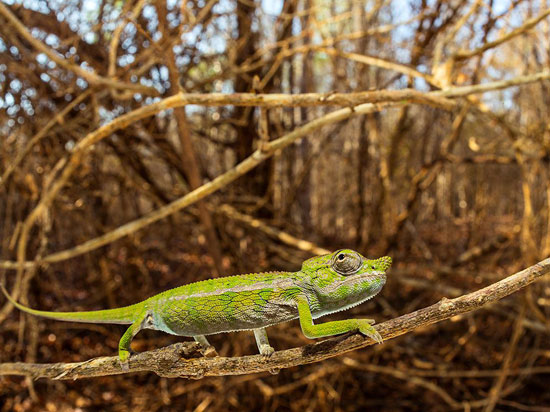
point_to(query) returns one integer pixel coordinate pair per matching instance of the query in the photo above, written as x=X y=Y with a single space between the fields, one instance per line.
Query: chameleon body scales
x=325 y=284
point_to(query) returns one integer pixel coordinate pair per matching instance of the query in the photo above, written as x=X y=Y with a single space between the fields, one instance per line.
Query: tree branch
x=383 y=98
x=173 y=361
x=529 y=24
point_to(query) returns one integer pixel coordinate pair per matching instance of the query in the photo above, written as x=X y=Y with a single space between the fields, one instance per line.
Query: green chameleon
x=325 y=284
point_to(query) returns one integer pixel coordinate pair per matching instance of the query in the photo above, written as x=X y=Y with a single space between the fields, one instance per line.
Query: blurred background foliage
x=458 y=198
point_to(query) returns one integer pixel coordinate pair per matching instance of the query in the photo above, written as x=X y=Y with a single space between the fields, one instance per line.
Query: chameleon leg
x=263 y=344
x=312 y=331
x=207 y=349
x=126 y=340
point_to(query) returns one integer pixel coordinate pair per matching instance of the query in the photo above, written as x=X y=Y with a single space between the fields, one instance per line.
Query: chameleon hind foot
x=124 y=359
x=207 y=349
x=209 y=352
x=124 y=350
x=266 y=350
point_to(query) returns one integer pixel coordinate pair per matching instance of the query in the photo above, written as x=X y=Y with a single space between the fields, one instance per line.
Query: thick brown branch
x=171 y=362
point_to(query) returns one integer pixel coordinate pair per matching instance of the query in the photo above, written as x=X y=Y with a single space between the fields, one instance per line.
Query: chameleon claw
x=209 y=352
x=367 y=330
x=377 y=337
x=266 y=350
x=206 y=349
x=123 y=358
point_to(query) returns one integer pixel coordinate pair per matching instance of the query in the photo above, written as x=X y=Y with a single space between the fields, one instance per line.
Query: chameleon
x=325 y=284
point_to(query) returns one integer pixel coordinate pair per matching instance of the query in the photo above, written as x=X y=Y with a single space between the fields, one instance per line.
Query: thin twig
x=495 y=392
x=529 y=24
x=283 y=236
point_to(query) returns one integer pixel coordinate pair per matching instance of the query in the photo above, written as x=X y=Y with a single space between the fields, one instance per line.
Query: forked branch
x=174 y=361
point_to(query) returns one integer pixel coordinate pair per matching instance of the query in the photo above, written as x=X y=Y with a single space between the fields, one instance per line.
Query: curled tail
x=123 y=316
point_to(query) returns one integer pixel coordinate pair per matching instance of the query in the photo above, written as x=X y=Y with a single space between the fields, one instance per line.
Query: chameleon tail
x=124 y=315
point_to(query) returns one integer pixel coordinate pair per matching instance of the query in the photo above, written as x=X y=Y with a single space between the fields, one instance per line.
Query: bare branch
x=378 y=62
x=492 y=86
x=240 y=99
x=201 y=192
x=461 y=55
x=278 y=234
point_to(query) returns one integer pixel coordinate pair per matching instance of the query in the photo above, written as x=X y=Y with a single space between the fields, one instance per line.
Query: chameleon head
x=345 y=278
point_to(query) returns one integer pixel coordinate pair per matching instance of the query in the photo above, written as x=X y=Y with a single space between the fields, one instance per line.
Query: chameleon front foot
x=366 y=328
x=336 y=327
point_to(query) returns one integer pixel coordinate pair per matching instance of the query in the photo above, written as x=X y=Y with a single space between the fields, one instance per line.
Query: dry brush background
x=147 y=144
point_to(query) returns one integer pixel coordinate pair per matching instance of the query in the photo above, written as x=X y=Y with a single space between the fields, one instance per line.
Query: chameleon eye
x=346 y=263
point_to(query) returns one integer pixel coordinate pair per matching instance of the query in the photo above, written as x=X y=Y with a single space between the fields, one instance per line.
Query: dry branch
x=223 y=180
x=278 y=234
x=378 y=62
x=529 y=24
x=170 y=361
x=384 y=97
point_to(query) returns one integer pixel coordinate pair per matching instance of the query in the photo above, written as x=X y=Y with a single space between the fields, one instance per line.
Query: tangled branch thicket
x=147 y=144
